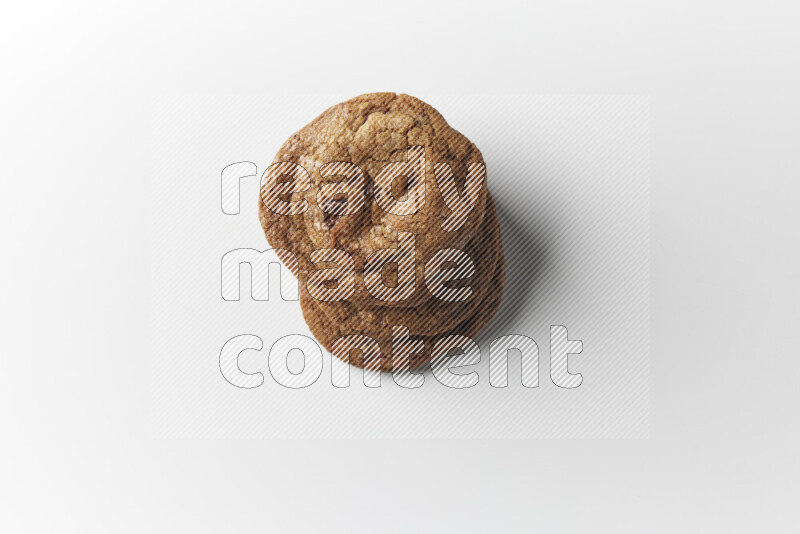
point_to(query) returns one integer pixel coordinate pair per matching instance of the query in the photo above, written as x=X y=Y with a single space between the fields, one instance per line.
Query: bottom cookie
x=359 y=351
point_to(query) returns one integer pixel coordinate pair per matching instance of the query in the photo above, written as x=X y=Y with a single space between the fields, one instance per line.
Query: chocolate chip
x=401 y=186
x=330 y=219
x=334 y=210
x=371 y=188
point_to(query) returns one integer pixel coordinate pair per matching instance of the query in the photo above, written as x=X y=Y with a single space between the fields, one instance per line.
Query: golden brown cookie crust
x=370 y=131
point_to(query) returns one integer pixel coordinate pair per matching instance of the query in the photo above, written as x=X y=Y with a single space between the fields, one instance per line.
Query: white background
x=77 y=450
x=570 y=178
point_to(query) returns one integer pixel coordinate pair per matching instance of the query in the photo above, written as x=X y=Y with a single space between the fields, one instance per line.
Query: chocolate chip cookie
x=366 y=171
x=381 y=210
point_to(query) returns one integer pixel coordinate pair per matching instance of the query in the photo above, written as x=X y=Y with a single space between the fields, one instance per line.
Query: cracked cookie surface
x=371 y=131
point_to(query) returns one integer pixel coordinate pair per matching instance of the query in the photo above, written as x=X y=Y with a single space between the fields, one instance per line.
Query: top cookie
x=366 y=173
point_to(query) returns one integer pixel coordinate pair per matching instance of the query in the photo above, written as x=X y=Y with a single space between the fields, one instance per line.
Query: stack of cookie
x=381 y=210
